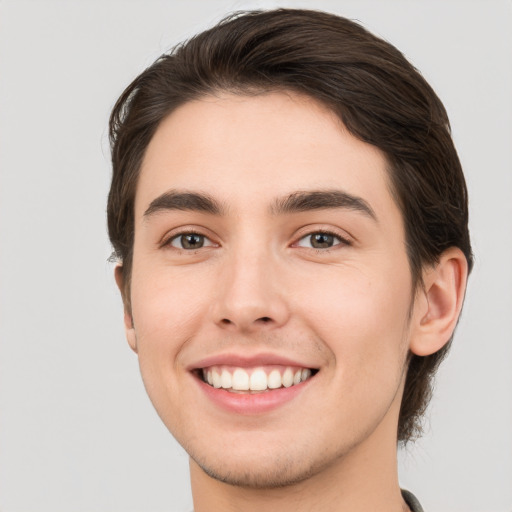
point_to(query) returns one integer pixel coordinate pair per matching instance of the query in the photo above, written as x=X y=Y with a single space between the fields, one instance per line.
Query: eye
x=190 y=241
x=321 y=240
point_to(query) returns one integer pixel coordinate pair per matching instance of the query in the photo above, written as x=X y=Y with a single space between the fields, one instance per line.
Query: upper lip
x=248 y=361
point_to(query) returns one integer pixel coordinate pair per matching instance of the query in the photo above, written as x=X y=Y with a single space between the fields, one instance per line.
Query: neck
x=364 y=479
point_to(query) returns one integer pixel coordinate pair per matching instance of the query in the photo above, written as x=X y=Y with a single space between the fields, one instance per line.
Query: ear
x=128 y=319
x=438 y=305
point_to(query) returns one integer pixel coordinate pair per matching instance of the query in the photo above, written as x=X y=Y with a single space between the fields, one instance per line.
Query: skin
x=258 y=286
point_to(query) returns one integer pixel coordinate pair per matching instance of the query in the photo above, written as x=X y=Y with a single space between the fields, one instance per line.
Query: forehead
x=248 y=150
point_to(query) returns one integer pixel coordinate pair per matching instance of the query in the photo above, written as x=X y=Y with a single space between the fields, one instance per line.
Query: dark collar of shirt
x=412 y=501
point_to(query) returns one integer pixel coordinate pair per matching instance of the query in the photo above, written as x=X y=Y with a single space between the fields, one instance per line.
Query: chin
x=267 y=464
x=271 y=474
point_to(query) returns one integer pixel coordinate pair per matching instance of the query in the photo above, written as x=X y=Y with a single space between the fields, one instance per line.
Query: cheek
x=361 y=319
x=360 y=316
x=166 y=312
x=167 y=306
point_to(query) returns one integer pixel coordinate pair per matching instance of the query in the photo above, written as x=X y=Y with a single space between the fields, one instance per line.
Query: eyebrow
x=320 y=200
x=186 y=201
x=301 y=201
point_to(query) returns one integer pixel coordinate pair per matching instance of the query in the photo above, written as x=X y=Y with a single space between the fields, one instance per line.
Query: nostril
x=263 y=320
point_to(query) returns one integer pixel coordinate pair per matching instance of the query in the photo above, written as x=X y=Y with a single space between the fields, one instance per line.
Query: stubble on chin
x=275 y=472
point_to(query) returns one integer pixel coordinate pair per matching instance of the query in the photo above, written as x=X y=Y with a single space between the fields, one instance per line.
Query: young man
x=290 y=218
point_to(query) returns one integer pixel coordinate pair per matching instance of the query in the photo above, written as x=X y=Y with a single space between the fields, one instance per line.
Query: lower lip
x=251 y=403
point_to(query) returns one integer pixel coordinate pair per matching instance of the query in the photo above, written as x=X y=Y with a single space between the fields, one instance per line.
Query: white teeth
x=258 y=381
x=240 y=380
x=274 y=380
x=287 y=378
x=306 y=373
x=255 y=380
x=225 y=379
x=216 y=379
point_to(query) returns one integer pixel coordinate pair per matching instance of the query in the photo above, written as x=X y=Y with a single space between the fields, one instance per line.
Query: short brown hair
x=378 y=95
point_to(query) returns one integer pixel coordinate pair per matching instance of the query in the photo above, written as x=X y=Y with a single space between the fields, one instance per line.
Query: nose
x=251 y=296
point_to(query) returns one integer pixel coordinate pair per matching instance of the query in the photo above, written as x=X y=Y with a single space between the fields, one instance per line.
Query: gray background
x=77 y=432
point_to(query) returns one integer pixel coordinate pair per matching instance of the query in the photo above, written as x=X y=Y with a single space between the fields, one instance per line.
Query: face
x=270 y=288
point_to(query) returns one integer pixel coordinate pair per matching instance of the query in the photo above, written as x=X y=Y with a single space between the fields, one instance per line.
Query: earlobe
x=438 y=305
x=128 y=319
x=130 y=331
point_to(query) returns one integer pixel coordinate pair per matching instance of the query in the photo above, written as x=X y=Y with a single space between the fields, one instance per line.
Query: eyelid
x=166 y=240
x=207 y=242
x=337 y=242
x=343 y=236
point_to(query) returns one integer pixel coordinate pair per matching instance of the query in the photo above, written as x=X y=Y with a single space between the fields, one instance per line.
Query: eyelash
x=168 y=241
x=341 y=240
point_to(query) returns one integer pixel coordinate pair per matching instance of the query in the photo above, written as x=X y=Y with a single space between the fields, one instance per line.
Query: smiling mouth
x=254 y=380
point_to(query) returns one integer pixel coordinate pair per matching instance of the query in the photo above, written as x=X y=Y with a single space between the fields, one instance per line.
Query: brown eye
x=190 y=241
x=320 y=240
